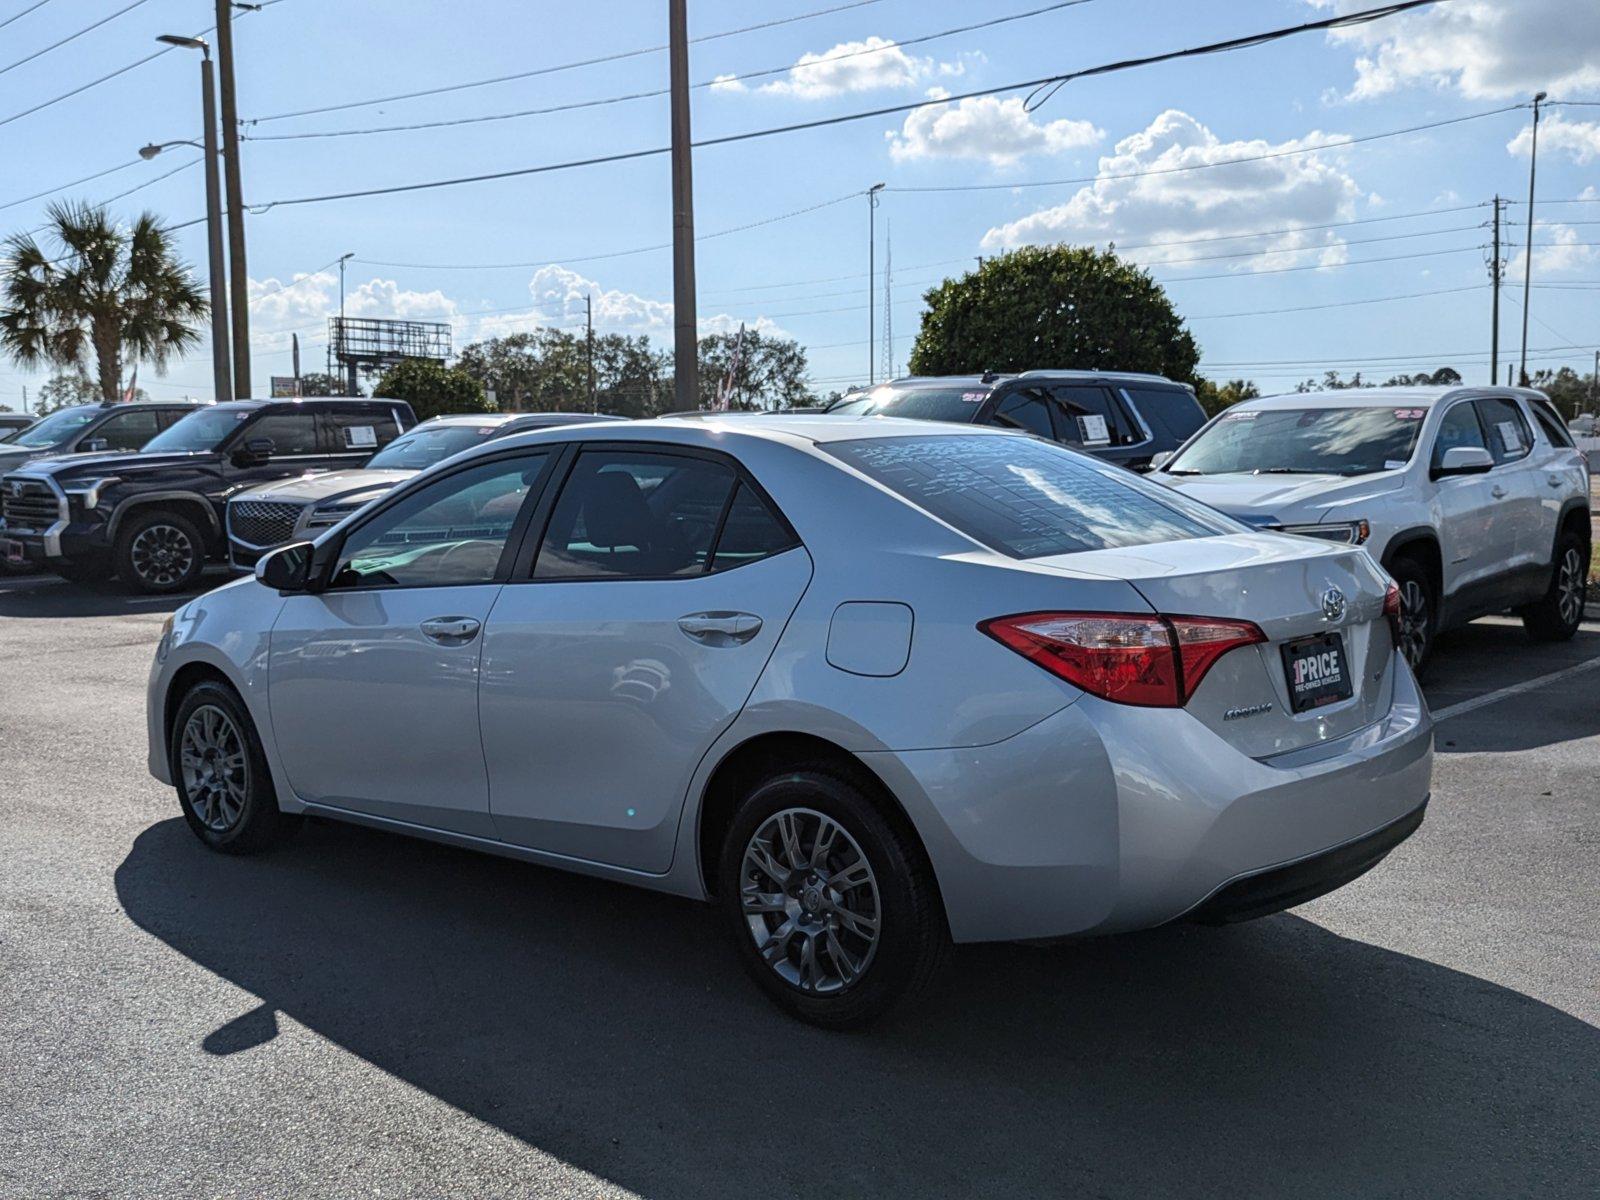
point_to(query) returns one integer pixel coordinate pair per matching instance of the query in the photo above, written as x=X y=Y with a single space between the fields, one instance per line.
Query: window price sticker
x=1092 y=429
x=1510 y=436
x=359 y=437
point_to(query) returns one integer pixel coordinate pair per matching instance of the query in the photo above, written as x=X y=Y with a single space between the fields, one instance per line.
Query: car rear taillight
x=1391 y=610
x=1152 y=661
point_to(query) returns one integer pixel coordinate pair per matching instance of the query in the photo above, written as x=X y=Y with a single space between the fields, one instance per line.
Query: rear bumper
x=1104 y=818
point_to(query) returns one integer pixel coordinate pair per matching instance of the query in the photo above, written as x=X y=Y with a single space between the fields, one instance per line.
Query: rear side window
x=1509 y=435
x=1459 y=427
x=1092 y=416
x=751 y=532
x=1172 y=410
x=1027 y=498
x=290 y=432
x=359 y=432
x=127 y=430
x=1554 y=430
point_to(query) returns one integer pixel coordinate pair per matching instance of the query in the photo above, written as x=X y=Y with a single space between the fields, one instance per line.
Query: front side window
x=1304 y=441
x=453 y=531
x=1509 y=435
x=635 y=514
x=289 y=432
x=57 y=427
x=1027 y=498
x=200 y=431
x=1460 y=427
x=128 y=430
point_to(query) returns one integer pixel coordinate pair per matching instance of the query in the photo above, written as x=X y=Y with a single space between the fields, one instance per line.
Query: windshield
x=1304 y=441
x=1026 y=497
x=57 y=427
x=927 y=404
x=203 y=430
x=423 y=447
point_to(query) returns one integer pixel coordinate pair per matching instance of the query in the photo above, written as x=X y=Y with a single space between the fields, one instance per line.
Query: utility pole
x=1527 y=264
x=588 y=320
x=1496 y=272
x=238 y=272
x=294 y=339
x=349 y=383
x=686 y=336
x=872 y=279
x=888 y=305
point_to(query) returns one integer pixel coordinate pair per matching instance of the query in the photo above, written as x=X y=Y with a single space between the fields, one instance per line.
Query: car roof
x=994 y=380
x=712 y=428
x=1381 y=397
x=468 y=419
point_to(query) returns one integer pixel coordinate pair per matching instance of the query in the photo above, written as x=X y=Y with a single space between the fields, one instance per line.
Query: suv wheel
x=1418 y=612
x=160 y=552
x=1556 y=615
x=832 y=908
x=221 y=772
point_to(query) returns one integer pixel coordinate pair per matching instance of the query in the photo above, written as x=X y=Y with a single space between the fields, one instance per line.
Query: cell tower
x=886 y=358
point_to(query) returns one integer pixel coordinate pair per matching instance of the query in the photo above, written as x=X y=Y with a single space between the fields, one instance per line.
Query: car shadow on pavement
x=612 y=1028
x=48 y=596
x=1486 y=656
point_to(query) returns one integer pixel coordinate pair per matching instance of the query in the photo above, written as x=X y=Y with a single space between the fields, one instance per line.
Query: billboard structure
x=371 y=345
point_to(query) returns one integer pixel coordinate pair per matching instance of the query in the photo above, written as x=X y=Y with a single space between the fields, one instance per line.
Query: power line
x=1460 y=355
x=619 y=56
x=718 y=81
x=23 y=13
x=75 y=183
x=1272 y=312
x=1035 y=85
x=70 y=37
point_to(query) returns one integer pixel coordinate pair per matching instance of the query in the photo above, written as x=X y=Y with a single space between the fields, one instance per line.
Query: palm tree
x=118 y=291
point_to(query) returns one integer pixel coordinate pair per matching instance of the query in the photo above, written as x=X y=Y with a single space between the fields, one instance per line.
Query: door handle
x=720 y=628
x=1497 y=492
x=451 y=631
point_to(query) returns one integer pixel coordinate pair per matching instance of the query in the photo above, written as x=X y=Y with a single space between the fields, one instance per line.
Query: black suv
x=155 y=517
x=85 y=428
x=1118 y=416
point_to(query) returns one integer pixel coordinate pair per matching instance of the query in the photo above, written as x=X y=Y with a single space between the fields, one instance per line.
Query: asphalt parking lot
x=363 y=1014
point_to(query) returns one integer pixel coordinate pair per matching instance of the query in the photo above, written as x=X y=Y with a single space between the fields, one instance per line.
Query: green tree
x=432 y=389
x=771 y=373
x=1053 y=306
x=1214 y=398
x=65 y=389
x=1571 y=392
x=101 y=293
x=319 y=384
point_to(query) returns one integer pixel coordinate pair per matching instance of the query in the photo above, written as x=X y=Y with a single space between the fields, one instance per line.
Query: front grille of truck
x=28 y=503
x=260 y=523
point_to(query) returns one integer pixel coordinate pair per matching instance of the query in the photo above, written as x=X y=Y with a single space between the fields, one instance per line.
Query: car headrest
x=614 y=512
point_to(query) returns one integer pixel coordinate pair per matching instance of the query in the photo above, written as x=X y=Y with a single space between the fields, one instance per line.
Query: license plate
x=13 y=551
x=1317 y=670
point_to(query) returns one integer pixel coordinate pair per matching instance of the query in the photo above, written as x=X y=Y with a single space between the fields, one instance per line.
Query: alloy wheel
x=162 y=555
x=1569 y=586
x=215 y=772
x=1414 y=621
x=810 y=900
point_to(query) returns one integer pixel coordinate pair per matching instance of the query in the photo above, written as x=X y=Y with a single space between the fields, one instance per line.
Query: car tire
x=834 y=956
x=220 y=771
x=1556 y=615
x=1419 y=612
x=160 y=552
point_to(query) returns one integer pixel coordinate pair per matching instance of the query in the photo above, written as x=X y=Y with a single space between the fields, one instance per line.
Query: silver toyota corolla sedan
x=872 y=686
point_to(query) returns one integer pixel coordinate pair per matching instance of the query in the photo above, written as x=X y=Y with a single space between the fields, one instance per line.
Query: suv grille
x=262 y=522
x=28 y=503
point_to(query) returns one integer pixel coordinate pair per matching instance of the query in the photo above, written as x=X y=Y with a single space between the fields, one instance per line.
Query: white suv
x=1474 y=499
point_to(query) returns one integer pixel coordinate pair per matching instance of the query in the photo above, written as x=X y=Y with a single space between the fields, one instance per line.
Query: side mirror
x=286 y=569
x=1159 y=460
x=254 y=452
x=1464 y=460
x=94 y=445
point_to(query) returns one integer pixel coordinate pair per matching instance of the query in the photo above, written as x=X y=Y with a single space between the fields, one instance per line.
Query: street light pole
x=220 y=368
x=239 y=275
x=1527 y=259
x=872 y=276
x=348 y=385
x=686 y=337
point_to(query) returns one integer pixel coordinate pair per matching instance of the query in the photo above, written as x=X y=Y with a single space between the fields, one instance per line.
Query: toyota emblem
x=1332 y=604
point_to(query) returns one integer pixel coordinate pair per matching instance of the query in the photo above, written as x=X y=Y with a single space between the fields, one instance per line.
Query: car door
x=1516 y=487
x=373 y=683
x=1473 y=535
x=662 y=582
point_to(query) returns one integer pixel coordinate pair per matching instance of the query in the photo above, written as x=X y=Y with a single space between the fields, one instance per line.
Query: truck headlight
x=87 y=491
x=1351 y=533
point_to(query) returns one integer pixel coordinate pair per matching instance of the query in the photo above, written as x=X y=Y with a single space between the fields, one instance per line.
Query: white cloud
x=1487 y=49
x=985 y=127
x=1580 y=139
x=1181 y=205
x=304 y=302
x=872 y=64
x=1562 y=249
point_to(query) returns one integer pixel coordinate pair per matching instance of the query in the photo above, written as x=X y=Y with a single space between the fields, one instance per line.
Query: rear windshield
x=1304 y=441
x=1026 y=497
x=924 y=404
x=423 y=447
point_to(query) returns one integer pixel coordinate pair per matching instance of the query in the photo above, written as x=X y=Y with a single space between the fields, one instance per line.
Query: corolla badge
x=1332 y=604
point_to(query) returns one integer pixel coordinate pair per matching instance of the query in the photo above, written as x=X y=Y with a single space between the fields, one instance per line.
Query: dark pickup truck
x=155 y=518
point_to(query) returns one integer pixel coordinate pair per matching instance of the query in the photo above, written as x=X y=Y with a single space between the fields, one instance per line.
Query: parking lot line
x=1516 y=689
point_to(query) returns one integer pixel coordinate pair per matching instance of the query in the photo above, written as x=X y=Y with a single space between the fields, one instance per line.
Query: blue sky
x=805 y=275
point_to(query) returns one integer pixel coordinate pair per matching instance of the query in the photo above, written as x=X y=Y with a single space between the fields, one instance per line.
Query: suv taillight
x=1391 y=610
x=1129 y=658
